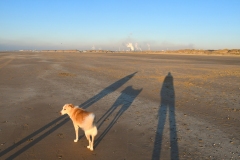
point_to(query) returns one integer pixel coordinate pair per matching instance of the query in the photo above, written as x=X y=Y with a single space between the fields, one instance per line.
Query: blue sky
x=111 y=24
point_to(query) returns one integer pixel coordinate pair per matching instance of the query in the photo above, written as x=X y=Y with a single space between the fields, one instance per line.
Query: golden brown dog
x=82 y=119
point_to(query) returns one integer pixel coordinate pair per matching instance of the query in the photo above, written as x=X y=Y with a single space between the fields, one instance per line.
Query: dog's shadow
x=106 y=91
x=124 y=101
x=60 y=121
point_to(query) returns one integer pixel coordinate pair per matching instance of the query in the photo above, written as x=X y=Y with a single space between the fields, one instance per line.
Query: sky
x=116 y=24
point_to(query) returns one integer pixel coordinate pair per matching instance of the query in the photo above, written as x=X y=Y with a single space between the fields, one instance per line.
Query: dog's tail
x=89 y=125
x=89 y=122
x=94 y=131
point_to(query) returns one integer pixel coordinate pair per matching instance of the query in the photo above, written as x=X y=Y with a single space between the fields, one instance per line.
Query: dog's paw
x=75 y=140
x=91 y=148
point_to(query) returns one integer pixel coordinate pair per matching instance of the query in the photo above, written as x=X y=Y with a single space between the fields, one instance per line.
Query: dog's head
x=66 y=109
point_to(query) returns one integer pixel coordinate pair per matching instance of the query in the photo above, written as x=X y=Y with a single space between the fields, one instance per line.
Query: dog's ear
x=71 y=105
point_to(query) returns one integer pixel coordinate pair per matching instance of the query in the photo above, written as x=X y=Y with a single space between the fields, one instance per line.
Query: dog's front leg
x=76 y=131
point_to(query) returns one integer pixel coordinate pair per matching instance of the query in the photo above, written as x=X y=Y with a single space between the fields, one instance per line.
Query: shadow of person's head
x=167 y=91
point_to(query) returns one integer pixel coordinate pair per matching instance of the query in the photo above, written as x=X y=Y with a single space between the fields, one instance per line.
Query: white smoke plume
x=148 y=46
x=140 y=48
x=129 y=45
x=136 y=46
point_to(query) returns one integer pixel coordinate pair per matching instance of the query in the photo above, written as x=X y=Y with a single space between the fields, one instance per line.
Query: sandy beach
x=147 y=106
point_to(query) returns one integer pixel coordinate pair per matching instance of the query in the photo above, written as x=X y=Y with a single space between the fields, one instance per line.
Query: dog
x=82 y=119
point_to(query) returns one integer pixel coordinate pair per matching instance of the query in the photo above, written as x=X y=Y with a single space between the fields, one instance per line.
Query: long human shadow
x=167 y=106
x=60 y=121
x=124 y=100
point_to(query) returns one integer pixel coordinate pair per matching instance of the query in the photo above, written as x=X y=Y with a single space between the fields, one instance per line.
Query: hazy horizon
x=119 y=25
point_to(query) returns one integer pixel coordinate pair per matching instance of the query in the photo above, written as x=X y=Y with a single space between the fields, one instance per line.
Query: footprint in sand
x=60 y=135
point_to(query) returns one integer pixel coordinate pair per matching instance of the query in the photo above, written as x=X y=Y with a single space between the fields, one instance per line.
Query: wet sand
x=147 y=106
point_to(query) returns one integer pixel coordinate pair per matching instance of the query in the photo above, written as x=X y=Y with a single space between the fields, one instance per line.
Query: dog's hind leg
x=89 y=140
x=91 y=146
x=76 y=131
